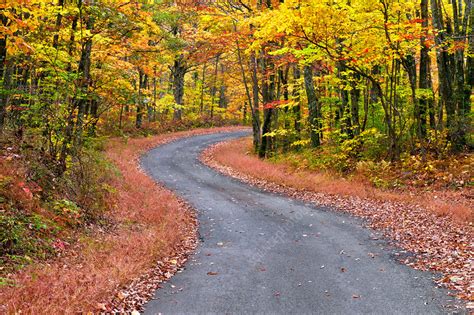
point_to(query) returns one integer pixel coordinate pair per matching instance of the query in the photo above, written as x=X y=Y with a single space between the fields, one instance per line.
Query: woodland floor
x=150 y=237
x=436 y=227
x=261 y=252
x=120 y=269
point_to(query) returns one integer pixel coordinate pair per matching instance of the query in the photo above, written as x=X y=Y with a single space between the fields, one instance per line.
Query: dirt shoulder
x=417 y=223
x=117 y=269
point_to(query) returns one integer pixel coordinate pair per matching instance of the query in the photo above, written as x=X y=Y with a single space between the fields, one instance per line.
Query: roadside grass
x=236 y=154
x=148 y=224
x=435 y=227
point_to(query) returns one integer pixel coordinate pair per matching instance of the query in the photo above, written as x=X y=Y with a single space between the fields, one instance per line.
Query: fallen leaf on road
x=438 y=242
x=212 y=273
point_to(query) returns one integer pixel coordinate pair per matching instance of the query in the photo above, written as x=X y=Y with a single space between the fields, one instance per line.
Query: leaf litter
x=437 y=243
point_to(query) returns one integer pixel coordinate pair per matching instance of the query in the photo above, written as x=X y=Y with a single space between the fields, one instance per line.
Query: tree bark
x=424 y=103
x=4 y=98
x=140 y=86
x=355 y=97
x=203 y=80
x=446 y=72
x=297 y=99
x=313 y=107
x=255 y=108
x=268 y=94
x=3 y=75
x=214 y=85
x=222 y=96
x=178 y=72
x=58 y=25
x=85 y=78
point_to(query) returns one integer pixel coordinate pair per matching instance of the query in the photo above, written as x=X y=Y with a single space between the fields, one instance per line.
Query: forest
x=392 y=74
x=373 y=86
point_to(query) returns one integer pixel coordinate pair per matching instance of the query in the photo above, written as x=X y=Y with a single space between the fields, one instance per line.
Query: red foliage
x=274 y=104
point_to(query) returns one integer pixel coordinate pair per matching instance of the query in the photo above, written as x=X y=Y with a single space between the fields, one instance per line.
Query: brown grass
x=151 y=223
x=236 y=155
x=437 y=242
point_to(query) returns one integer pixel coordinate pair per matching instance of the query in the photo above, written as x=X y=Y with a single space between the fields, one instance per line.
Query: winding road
x=264 y=253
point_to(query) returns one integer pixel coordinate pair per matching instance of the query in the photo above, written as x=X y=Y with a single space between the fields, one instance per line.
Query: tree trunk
x=139 y=117
x=222 y=96
x=152 y=109
x=469 y=89
x=214 y=86
x=203 y=80
x=58 y=25
x=178 y=72
x=366 y=107
x=297 y=99
x=409 y=65
x=425 y=103
x=313 y=106
x=85 y=79
x=283 y=79
x=445 y=72
x=3 y=74
x=255 y=108
x=268 y=95
x=355 y=96
x=470 y=56
x=344 y=113
x=5 y=96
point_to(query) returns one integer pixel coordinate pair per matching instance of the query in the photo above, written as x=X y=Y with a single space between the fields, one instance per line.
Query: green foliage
x=377 y=173
x=341 y=154
x=40 y=208
x=68 y=211
x=23 y=237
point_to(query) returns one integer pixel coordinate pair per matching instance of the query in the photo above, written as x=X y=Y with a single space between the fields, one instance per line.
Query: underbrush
x=41 y=212
x=150 y=225
x=431 y=165
x=428 y=172
x=435 y=227
x=316 y=171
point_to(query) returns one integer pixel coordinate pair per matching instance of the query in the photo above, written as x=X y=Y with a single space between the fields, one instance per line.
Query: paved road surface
x=265 y=253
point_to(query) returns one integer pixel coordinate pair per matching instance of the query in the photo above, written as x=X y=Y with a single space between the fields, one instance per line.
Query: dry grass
x=236 y=154
x=436 y=228
x=151 y=223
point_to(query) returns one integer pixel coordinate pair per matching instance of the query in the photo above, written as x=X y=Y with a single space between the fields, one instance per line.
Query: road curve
x=265 y=253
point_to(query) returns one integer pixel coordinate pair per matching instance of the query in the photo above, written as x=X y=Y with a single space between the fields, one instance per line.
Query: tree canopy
x=392 y=75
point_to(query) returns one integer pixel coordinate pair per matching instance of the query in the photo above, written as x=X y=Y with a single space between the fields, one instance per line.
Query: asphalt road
x=265 y=253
